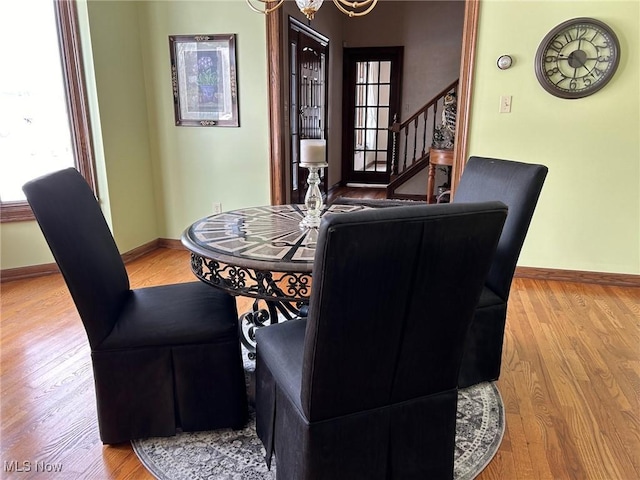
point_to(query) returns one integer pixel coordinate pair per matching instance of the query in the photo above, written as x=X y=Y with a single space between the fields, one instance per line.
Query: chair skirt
x=407 y=440
x=482 y=356
x=154 y=391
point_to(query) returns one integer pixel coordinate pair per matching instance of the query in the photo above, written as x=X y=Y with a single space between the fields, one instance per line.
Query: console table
x=437 y=157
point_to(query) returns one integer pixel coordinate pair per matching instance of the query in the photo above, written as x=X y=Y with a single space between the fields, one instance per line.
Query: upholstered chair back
x=518 y=186
x=393 y=293
x=83 y=247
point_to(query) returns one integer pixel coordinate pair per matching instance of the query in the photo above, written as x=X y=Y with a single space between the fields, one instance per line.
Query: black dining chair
x=164 y=358
x=366 y=386
x=517 y=185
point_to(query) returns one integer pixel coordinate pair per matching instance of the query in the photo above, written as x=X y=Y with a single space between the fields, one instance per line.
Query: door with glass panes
x=371 y=99
x=308 y=52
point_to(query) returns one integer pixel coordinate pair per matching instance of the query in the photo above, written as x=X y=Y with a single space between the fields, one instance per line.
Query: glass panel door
x=371 y=99
x=371 y=116
x=308 y=90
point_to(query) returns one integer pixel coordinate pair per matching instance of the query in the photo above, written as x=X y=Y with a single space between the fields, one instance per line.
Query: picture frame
x=203 y=76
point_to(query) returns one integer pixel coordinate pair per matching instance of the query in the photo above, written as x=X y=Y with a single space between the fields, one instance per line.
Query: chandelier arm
x=351 y=13
x=352 y=4
x=265 y=10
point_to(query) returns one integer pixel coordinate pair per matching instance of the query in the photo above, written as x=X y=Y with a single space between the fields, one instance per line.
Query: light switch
x=505 y=104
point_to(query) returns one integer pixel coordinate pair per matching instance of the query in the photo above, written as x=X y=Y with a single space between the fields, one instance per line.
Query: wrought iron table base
x=258 y=317
x=283 y=293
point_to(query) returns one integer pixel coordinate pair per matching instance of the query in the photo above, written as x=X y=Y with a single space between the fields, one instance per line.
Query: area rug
x=238 y=454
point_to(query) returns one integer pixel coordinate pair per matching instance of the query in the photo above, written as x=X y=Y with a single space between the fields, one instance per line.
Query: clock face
x=577 y=58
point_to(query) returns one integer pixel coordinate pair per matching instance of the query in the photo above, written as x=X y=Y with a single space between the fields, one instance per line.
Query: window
x=44 y=122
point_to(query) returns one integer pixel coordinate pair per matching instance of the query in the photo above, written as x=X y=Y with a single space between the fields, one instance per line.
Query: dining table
x=265 y=253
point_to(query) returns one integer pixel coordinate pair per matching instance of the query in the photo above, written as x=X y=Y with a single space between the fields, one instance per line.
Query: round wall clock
x=577 y=58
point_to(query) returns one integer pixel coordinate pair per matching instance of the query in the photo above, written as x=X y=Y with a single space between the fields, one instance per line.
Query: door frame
x=276 y=64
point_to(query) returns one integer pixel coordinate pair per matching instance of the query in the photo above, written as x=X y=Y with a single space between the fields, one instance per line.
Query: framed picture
x=203 y=74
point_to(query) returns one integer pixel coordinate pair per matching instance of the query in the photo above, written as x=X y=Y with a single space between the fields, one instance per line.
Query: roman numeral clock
x=577 y=58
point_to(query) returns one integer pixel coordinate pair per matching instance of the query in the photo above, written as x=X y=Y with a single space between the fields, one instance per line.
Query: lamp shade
x=313 y=152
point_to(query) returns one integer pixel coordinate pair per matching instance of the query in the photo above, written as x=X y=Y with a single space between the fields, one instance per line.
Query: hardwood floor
x=359 y=192
x=570 y=381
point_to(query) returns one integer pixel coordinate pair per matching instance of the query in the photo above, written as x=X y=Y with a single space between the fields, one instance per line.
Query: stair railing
x=416 y=131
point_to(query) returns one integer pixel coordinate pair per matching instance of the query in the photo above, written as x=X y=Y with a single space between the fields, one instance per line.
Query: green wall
x=197 y=166
x=122 y=112
x=588 y=217
x=155 y=178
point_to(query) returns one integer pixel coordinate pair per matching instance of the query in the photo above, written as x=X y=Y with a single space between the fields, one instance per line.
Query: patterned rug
x=239 y=455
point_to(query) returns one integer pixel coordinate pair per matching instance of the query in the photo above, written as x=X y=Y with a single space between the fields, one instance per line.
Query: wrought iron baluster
x=394 y=144
x=394 y=165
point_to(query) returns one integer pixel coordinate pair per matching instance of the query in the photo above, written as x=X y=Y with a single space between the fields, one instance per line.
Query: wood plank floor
x=360 y=192
x=570 y=381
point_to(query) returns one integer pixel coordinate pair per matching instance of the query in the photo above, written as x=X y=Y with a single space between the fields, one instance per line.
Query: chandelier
x=310 y=7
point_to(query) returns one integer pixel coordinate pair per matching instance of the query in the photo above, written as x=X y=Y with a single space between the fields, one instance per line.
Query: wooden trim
x=10 y=274
x=77 y=103
x=15 y=212
x=275 y=75
x=298 y=26
x=469 y=37
x=19 y=273
x=170 y=243
x=578 y=276
x=140 y=251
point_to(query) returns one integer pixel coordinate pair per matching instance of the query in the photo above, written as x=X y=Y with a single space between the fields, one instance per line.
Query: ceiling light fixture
x=310 y=7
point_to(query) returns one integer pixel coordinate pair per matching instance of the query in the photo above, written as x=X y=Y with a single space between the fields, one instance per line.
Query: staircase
x=411 y=142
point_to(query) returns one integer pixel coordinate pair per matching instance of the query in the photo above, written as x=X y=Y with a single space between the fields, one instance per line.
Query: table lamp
x=313 y=156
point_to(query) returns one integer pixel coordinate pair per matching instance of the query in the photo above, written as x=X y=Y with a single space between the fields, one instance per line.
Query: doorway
x=371 y=99
x=277 y=100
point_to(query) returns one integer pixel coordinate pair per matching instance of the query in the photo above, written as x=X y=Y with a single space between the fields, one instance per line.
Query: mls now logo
x=27 y=466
